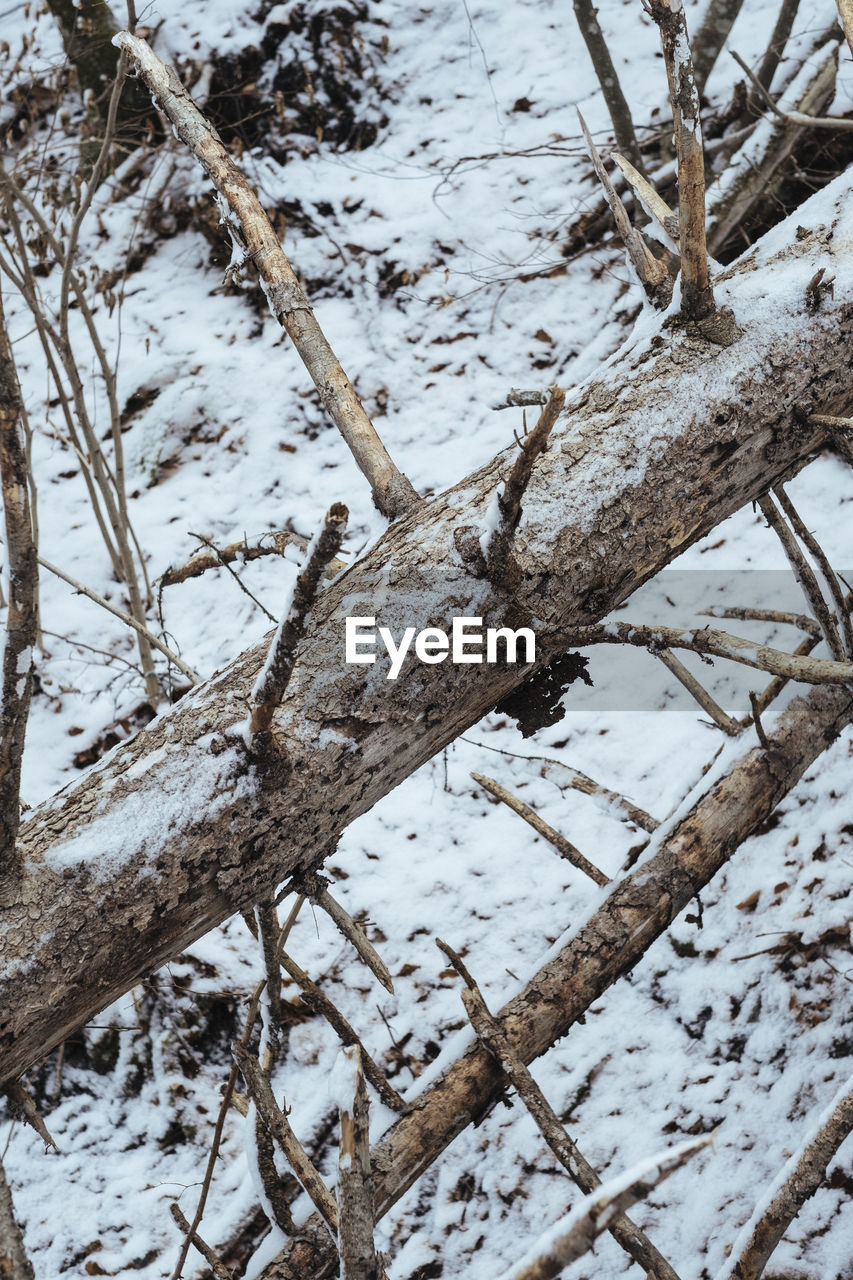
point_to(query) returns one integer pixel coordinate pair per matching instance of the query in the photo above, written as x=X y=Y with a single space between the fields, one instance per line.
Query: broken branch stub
x=392 y=492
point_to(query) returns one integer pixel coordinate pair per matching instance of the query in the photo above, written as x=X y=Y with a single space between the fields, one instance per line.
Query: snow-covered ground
x=433 y=255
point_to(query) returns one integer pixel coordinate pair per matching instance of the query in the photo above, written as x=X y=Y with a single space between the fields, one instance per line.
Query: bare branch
x=651 y=273
x=617 y=106
x=153 y=640
x=805 y=577
x=654 y=205
x=355 y=1184
x=718 y=644
x=818 y=554
x=316 y=887
x=576 y=1234
x=589 y=787
x=392 y=492
x=801 y=1177
x=216 y=1265
x=756 y=720
x=522 y=469
x=778 y=683
x=564 y=847
x=277 y=1123
x=708 y=704
x=22 y=615
x=317 y=1000
x=266 y=544
x=14 y=1259
x=792 y=117
x=626 y=1233
x=744 y=614
x=268 y=935
x=272 y=681
x=26 y=1110
x=778 y=41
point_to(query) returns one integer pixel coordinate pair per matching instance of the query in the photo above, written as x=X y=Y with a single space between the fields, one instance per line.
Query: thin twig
x=631 y=1237
x=651 y=273
x=563 y=846
x=800 y=1178
x=805 y=577
x=792 y=117
x=782 y=616
x=818 y=554
x=193 y=677
x=710 y=38
x=270 y=686
x=720 y=717
x=354 y=1190
x=317 y=1000
x=392 y=492
x=240 y=583
x=216 y=1265
x=277 y=1123
x=267 y=544
x=756 y=720
x=248 y=1026
x=316 y=887
x=27 y=1111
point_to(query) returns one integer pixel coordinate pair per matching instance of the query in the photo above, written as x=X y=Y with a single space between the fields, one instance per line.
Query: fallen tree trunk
x=730 y=806
x=173 y=832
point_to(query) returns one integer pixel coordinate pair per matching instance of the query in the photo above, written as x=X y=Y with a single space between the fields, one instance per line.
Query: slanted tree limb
x=710 y=38
x=651 y=453
x=266 y=544
x=708 y=704
x=625 y=1232
x=620 y=112
x=316 y=888
x=682 y=859
x=22 y=614
x=354 y=1190
x=216 y=1264
x=805 y=577
x=778 y=40
x=803 y=1174
x=392 y=492
x=793 y=117
x=563 y=846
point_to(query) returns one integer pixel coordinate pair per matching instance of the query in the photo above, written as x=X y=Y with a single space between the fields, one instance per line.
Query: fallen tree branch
x=729 y=806
x=563 y=846
x=575 y=1235
x=316 y=889
x=14 y=1259
x=792 y=117
x=216 y=1265
x=617 y=105
x=392 y=492
x=805 y=577
x=625 y=1232
x=801 y=1177
x=354 y=1189
x=718 y=644
x=651 y=453
x=708 y=704
x=266 y=544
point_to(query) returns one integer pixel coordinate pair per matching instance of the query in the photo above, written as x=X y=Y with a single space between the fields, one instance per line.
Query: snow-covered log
x=173 y=832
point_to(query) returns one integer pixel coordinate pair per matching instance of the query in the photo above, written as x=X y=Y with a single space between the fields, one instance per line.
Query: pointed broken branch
x=317 y=1000
x=26 y=1110
x=845 y=13
x=354 y=1191
x=651 y=273
x=316 y=887
x=574 y=1235
x=276 y=1121
x=697 y=295
x=522 y=469
x=270 y=686
x=800 y=1179
x=720 y=717
x=563 y=846
x=804 y=574
x=654 y=205
x=626 y=1233
x=392 y=492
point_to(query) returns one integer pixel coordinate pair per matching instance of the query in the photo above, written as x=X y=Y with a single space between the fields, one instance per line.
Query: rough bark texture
x=175 y=831
x=14 y=1262
x=606 y=946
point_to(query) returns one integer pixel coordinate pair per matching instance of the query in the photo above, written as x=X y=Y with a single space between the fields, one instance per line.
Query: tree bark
x=175 y=831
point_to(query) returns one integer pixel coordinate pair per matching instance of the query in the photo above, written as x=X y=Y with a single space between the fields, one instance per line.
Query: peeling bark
x=175 y=831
